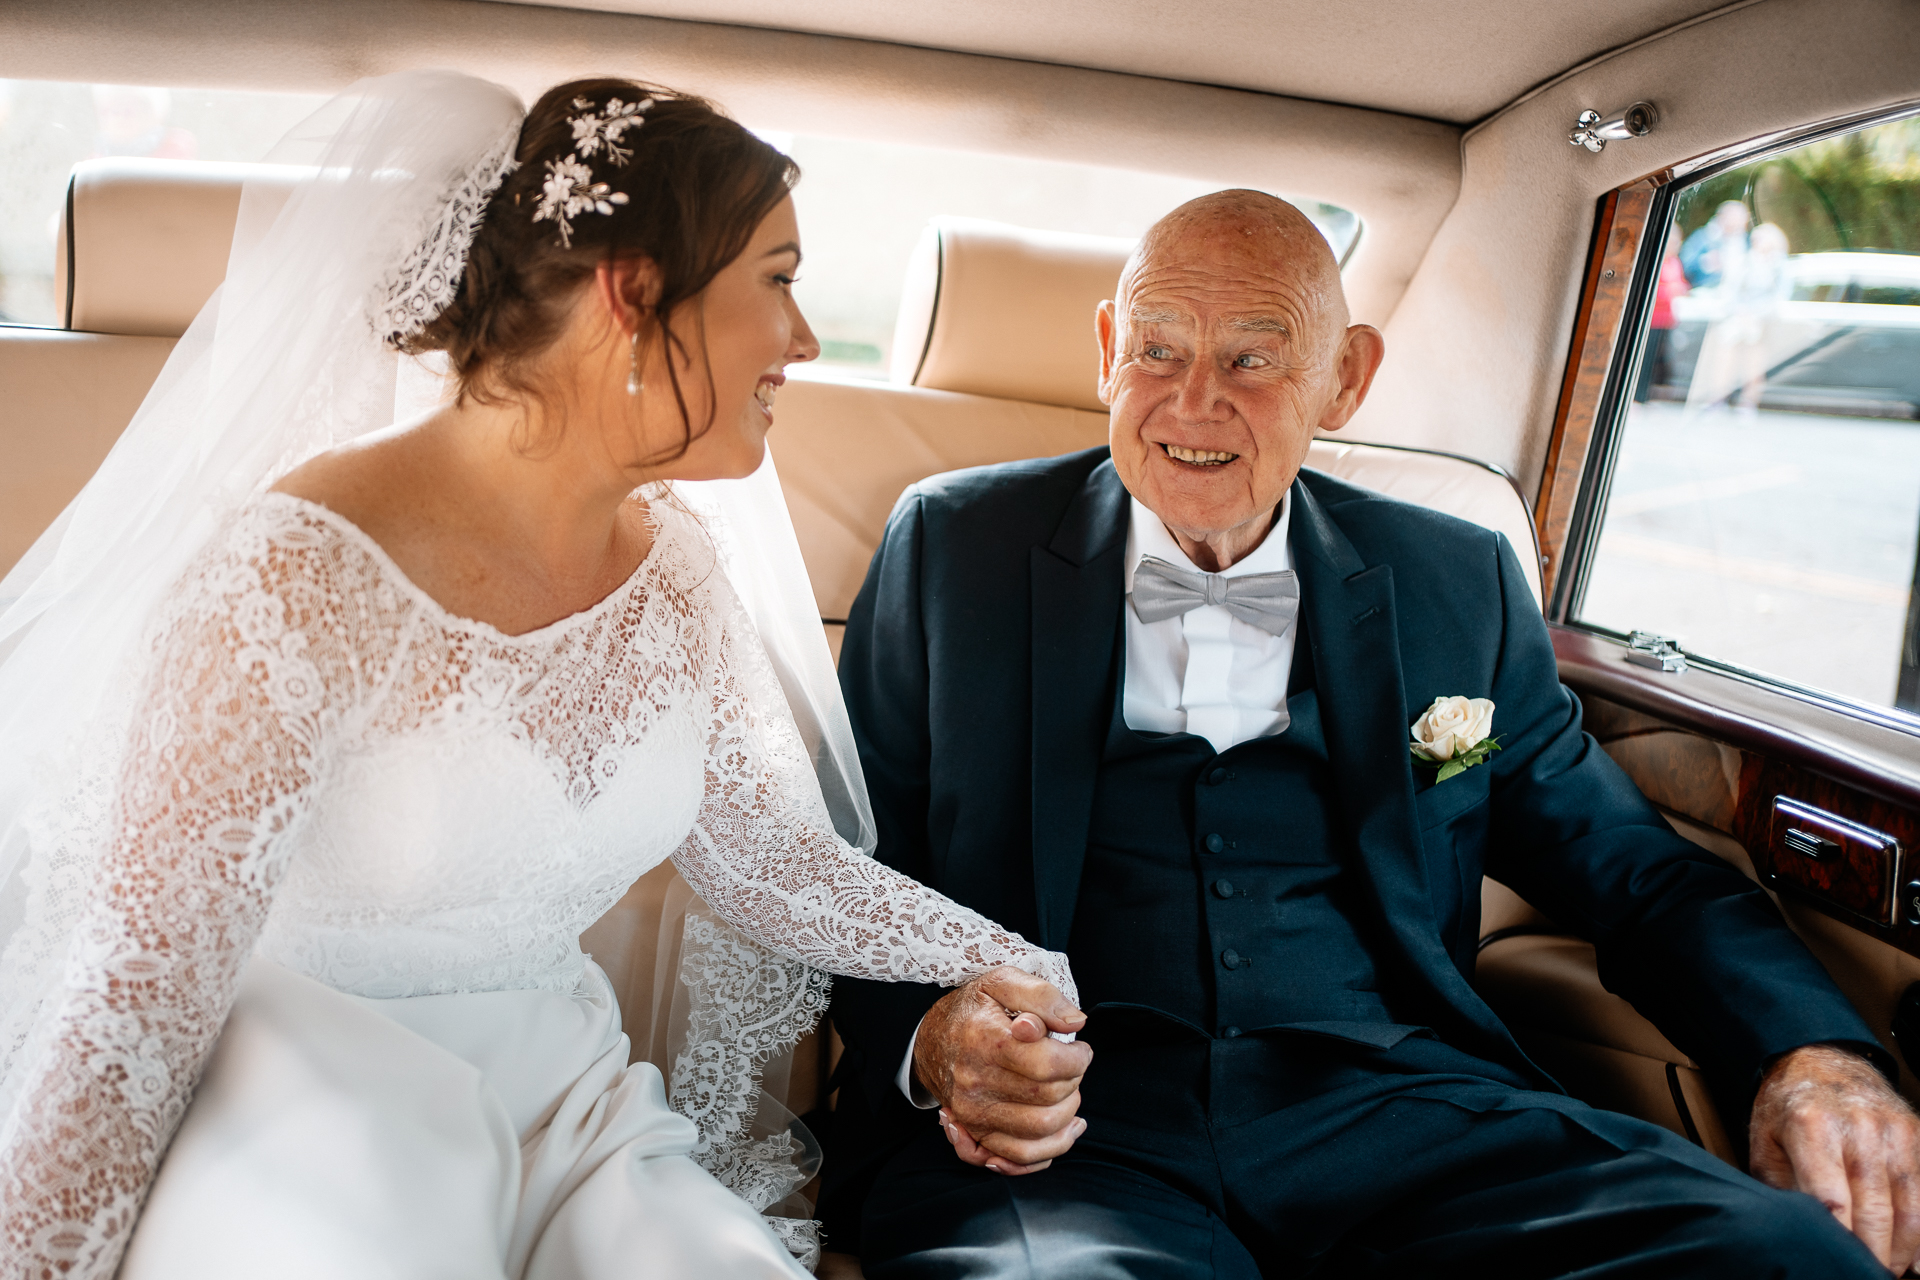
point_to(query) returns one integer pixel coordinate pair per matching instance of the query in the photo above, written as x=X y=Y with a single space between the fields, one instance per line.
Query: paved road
x=1782 y=542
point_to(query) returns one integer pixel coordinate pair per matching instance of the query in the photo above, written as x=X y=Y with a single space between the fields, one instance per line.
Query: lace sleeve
x=764 y=855
x=245 y=676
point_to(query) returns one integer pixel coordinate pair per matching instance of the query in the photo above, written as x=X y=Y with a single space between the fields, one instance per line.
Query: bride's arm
x=764 y=855
x=242 y=682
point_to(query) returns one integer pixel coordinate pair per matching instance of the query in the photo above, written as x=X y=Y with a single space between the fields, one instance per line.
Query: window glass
x=46 y=127
x=1764 y=506
x=862 y=206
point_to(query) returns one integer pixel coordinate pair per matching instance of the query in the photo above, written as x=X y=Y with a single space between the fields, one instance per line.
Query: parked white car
x=1845 y=339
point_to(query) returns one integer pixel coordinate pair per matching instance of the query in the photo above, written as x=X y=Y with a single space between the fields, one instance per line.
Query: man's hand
x=1826 y=1123
x=1007 y=1092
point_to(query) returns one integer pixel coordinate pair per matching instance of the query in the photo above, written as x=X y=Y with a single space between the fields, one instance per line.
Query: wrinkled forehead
x=1226 y=286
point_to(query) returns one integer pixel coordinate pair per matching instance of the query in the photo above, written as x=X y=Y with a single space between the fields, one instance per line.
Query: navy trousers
x=1291 y=1155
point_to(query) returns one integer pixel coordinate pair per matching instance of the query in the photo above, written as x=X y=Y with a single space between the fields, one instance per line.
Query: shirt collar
x=1148 y=536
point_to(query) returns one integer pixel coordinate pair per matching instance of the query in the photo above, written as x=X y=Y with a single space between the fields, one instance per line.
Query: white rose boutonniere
x=1454 y=735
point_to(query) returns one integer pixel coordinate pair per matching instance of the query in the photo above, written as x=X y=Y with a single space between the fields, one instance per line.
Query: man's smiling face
x=1227 y=348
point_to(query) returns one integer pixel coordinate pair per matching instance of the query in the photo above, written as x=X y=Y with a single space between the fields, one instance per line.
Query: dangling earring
x=634 y=385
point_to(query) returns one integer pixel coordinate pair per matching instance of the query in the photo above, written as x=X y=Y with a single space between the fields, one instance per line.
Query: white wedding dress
x=374 y=832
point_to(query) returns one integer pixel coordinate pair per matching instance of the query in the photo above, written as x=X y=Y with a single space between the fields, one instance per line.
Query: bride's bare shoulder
x=370 y=481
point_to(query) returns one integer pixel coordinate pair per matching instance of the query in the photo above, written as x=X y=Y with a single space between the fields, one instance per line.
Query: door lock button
x=1909 y=904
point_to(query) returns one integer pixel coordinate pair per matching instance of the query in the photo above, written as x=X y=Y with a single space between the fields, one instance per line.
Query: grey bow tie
x=1269 y=601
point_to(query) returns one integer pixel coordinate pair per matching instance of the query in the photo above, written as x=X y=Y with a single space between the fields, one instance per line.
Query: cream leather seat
x=70 y=392
x=995 y=359
x=997 y=363
x=142 y=244
x=67 y=398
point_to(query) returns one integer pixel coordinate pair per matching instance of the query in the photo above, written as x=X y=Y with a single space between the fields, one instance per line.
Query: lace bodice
x=329 y=768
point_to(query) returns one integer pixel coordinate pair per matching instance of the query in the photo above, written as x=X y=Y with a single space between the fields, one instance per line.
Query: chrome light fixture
x=1593 y=132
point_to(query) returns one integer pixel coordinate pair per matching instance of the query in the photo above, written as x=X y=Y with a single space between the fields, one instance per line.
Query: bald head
x=1225 y=350
x=1248 y=234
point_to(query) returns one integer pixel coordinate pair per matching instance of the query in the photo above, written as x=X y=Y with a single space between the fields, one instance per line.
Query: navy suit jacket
x=979 y=667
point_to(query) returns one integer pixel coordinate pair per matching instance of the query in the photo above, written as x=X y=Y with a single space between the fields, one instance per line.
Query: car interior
x=1707 y=460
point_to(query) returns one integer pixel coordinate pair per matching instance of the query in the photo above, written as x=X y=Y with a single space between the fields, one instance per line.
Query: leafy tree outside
x=1858 y=191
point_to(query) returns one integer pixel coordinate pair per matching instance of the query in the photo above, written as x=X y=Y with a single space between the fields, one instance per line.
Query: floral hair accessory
x=570 y=188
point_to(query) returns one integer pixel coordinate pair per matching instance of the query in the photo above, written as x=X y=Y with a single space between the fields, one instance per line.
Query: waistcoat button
x=1231 y=958
x=1215 y=844
x=1218 y=776
x=1229 y=1033
x=1223 y=888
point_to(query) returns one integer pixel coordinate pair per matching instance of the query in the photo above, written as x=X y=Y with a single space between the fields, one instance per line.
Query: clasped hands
x=1009 y=1094
x=1825 y=1122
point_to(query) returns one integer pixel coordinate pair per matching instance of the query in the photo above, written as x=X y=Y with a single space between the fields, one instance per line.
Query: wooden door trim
x=1781 y=746
x=1604 y=291
x=1874 y=759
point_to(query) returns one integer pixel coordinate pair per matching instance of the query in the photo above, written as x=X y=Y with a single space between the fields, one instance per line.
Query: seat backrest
x=1459 y=486
x=993 y=310
x=846 y=449
x=142 y=244
x=1003 y=367
x=995 y=359
x=68 y=398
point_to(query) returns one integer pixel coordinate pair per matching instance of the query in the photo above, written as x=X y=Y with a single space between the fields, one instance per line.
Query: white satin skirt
x=497 y=1134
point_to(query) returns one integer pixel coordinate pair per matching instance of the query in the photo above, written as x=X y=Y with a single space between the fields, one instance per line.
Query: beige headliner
x=1456 y=61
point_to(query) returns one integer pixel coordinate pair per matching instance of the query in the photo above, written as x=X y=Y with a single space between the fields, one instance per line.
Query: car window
x=862 y=206
x=46 y=127
x=1763 y=504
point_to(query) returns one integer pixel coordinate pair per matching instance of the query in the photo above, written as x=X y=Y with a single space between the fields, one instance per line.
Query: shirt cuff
x=909 y=1087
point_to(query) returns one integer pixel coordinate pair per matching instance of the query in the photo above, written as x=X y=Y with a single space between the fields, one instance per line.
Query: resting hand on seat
x=1827 y=1123
x=1008 y=1093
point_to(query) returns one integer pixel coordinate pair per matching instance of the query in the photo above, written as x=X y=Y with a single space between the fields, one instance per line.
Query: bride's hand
x=1008 y=1092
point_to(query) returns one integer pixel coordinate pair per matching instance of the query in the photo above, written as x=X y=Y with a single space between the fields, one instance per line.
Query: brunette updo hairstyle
x=697 y=186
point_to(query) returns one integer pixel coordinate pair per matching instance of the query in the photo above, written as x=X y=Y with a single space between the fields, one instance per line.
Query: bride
x=322 y=740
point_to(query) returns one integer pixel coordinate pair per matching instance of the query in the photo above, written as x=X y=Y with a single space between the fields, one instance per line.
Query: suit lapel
x=1348 y=608
x=1077 y=591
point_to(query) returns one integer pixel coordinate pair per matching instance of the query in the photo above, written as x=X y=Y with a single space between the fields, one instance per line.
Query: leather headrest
x=995 y=310
x=144 y=243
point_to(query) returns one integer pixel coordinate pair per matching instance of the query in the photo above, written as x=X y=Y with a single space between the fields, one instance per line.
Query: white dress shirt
x=1203 y=672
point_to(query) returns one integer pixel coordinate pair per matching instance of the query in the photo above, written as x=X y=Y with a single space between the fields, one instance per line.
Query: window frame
x=1609 y=342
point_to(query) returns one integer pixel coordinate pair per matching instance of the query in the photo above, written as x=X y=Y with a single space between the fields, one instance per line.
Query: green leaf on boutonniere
x=1461 y=761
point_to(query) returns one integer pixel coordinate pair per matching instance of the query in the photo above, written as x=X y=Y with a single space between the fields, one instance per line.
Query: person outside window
x=1656 y=366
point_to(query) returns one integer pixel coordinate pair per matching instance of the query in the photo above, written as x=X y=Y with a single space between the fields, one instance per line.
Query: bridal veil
x=361 y=234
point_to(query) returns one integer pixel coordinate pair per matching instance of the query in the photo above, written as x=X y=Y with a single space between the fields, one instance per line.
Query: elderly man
x=1151 y=705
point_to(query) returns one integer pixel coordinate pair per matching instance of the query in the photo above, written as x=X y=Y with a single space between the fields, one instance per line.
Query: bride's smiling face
x=740 y=334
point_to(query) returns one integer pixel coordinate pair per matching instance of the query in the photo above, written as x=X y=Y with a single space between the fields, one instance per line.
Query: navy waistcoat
x=1218 y=887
